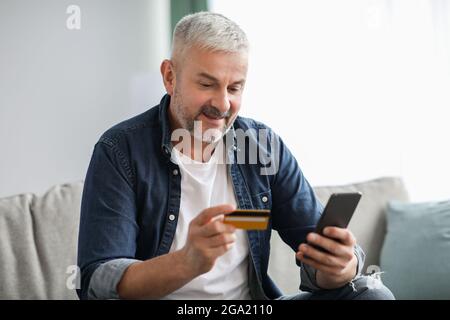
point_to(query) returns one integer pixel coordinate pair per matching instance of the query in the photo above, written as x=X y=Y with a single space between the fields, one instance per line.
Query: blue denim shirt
x=132 y=188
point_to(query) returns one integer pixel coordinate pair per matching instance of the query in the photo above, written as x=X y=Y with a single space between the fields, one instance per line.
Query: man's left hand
x=338 y=265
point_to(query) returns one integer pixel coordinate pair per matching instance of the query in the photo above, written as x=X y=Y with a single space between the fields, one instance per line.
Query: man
x=159 y=184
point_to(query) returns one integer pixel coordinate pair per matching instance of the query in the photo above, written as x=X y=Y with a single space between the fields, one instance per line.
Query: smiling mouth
x=211 y=117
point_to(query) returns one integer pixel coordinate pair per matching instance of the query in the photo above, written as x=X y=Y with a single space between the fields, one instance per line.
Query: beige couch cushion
x=368 y=225
x=38 y=237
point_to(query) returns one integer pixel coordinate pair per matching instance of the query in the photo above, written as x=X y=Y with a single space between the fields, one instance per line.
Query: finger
x=221 y=250
x=316 y=265
x=341 y=234
x=215 y=227
x=321 y=257
x=332 y=246
x=206 y=215
x=221 y=240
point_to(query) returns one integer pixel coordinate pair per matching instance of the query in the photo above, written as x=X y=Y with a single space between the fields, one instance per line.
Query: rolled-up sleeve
x=106 y=277
x=308 y=280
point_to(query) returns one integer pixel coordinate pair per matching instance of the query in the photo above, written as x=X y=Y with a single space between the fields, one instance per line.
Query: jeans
x=364 y=288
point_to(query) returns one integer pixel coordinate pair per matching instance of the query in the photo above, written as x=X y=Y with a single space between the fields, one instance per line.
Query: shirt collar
x=166 y=145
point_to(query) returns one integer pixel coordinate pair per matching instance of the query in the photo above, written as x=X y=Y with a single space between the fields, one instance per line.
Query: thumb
x=206 y=215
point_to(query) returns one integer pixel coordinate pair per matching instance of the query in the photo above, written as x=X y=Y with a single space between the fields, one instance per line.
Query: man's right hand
x=208 y=238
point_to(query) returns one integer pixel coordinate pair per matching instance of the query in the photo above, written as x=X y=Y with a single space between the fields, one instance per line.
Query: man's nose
x=222 y=102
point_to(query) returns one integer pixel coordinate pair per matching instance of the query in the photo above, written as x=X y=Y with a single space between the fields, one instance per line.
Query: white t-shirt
x=204 y=185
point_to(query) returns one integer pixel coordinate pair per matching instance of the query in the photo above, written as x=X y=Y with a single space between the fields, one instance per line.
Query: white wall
x=60 y=88
x=357 y=88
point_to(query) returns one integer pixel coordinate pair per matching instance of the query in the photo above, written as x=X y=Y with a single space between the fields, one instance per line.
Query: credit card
x=248 y=219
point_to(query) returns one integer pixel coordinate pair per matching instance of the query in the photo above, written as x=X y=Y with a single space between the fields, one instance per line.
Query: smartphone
x=338 y=210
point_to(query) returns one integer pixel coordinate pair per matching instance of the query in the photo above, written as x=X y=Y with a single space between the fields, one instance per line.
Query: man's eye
x=205 y=85
x=233 y=89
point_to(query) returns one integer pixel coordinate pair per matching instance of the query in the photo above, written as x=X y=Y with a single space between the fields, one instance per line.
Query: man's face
x=208 y=88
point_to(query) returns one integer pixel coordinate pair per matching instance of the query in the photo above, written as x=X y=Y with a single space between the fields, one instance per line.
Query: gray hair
x=209 y=31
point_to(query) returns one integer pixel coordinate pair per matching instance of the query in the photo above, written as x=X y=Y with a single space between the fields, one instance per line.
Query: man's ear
x=168 y=75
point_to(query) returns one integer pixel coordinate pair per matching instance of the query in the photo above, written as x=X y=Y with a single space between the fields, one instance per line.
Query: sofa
x=38 y=238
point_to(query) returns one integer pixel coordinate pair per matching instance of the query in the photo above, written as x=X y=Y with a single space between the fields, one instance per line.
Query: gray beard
x=188 y=124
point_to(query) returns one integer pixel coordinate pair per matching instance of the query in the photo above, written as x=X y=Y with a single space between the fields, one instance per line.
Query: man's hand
x=337 y=266
x=208 y=238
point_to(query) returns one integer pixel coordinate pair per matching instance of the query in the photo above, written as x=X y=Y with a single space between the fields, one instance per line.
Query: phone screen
x=339 y=210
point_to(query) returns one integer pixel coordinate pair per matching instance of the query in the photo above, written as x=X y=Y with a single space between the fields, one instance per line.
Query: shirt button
x=264 y=199
x=172 y=217
x=175 y=172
